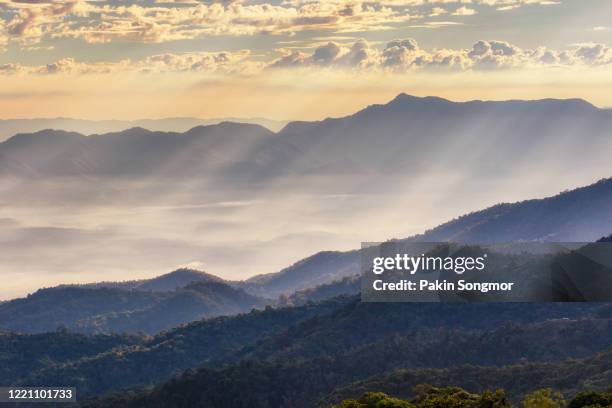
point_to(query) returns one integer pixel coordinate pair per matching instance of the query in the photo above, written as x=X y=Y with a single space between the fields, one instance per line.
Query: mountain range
x=184 y=295
x=313 y=352
x=301 y=337
x=10 y=127
x=244 y=200
x=406 y=136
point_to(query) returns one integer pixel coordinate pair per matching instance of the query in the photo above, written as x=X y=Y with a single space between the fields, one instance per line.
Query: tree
x=544 y=398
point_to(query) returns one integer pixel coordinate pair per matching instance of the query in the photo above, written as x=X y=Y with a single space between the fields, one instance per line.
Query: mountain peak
x=406 y=98
x=177 y=279
x=230 y=126
x=46 y=133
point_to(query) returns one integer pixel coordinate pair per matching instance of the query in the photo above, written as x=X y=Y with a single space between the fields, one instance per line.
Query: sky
x=293 y=59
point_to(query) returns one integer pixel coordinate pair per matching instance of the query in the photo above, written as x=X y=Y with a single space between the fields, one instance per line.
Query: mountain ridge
x=583 y=214
x=10 y=127
x=341 y=145
x=148 y=306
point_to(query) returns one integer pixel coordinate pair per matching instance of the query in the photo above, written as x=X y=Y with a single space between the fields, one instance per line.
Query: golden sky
x=293 y=59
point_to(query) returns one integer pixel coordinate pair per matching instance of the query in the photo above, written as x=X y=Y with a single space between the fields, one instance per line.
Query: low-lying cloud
x=396 y=56
x=405 y=55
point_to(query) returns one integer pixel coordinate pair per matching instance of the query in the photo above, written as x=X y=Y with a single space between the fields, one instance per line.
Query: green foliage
x=310 y=351
x=431 y=397
x=350 y=285
x=544 y=398
x=22 y=354
x=168 y=353
x=375 y=400
x=587 y=399
x=427 y=396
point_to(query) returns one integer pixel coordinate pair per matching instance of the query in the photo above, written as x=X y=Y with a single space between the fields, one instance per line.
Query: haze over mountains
x=580 y=215
x=241 y=195
x=10 y=127
x=239 y=200
x=152 y=305
x=407 y=135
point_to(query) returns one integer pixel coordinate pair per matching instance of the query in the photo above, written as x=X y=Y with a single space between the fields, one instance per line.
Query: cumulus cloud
x=397 y=56
x=212 y=63
x=29 y=21
x=97 y=22
x=359 y=55
x=4 y=39
x=593 y=54
x=33 y=21
x=464 y=11
x=405 y=55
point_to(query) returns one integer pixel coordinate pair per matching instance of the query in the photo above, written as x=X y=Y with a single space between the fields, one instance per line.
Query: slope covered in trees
x=427 y=396
x=168 y=353
x=257 y=384
x=113 y=308
x=580 y=215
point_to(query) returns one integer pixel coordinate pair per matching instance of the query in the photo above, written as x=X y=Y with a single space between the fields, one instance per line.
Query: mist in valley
x=239 y=200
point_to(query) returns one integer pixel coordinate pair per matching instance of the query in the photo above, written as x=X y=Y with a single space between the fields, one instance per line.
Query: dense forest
x=427 y=396
x=256 y=384
x=308 y=352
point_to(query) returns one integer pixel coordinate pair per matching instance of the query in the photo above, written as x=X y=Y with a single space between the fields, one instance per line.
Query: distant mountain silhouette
x=410 y=134
x=406 y=136
x=148 y=306
x=10 y=127
x=130 y=153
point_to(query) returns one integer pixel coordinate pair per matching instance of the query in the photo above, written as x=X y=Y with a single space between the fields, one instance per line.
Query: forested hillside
x=169 y=353
x=580 y=215
x=148 y=307
x=257 y=384
x=426 y=396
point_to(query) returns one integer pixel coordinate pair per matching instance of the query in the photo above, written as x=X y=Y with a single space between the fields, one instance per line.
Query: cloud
x=32 y=22
x=163 y=22
x=405 y=55
x=358 y=55
x=464 y=11
x=593 y=54
x=236 y=62
x=437 y=11
x=397 y=56
x=4 y=38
